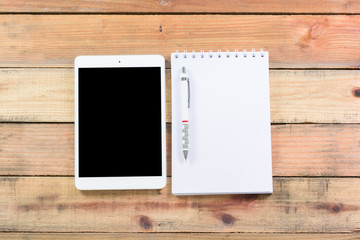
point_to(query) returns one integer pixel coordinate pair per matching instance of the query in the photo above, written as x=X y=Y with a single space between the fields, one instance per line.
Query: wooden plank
x=315 y=96
x=316 y=150
x=36 y=95
x=184 y=6
x=294 y=41
x=297 y=205
x=296 y=96
x=298 y=150
x=179 y=236
x=37 y=149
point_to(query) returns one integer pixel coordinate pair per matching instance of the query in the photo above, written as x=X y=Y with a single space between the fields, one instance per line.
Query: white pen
x=185 y=105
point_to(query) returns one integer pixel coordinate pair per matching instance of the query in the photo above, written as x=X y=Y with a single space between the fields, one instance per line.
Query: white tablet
x=120 y=136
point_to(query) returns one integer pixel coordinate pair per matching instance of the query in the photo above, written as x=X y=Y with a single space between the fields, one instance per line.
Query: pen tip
x=185 y=154
x=183 y=70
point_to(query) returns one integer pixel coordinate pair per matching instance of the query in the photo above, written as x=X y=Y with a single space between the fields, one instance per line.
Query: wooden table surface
x=315 y=112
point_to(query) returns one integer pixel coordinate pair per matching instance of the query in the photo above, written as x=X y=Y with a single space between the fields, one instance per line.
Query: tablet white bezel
x=107 y=183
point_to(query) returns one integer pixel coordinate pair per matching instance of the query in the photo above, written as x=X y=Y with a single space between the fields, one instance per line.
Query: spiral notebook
x=229 y=123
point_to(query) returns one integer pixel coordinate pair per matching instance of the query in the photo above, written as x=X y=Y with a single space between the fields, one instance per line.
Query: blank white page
x=229 y=124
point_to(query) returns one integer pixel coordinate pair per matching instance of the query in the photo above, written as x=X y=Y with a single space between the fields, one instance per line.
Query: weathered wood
x=296 y=96
x=179 y=236
x=52 y=204
x=297 y=150
x=300 y=208
x=316 y=150
x=315 y=96
x=37 y=95
x=184 y=6
x=37 y=149
x=294 y=41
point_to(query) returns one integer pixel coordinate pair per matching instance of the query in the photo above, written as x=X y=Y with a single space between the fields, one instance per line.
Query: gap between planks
x=178 y=236
x=183 y=13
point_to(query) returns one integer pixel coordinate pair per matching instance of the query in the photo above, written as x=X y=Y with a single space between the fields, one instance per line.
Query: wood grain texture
x=294 y=41
x=297 y=205
x=315 y=96
x=316 y=150
x=36 y=95
x=296 y=96
x=179 y=236
x=323 y=205
x=37 y=149
x=297 y=150
x=184 y=6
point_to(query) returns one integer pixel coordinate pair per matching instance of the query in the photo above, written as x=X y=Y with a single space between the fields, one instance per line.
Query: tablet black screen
x=119 y=122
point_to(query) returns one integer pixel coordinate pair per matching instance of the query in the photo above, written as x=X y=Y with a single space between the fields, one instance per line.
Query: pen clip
x=186 y=78
x=188 y=83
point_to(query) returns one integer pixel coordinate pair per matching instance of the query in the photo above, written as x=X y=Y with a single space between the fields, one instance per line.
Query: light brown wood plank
x=173 y=6
x=294 y=41
x=37 y=95
x=315 y=96
x=316 y=150
x=296 y=96
x=179 y=236
x=37 y=149
x=52 y=204
x=297 y=150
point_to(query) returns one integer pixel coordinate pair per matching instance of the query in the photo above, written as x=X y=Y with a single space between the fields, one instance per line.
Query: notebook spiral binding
x=219 y=54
